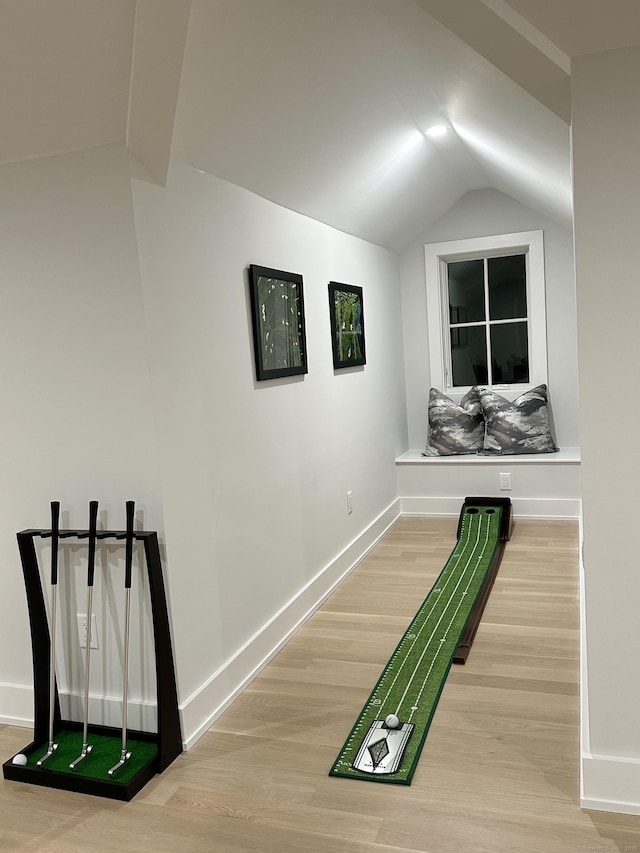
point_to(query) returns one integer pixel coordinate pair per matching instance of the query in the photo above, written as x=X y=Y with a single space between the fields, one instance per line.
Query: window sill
x=566 y=456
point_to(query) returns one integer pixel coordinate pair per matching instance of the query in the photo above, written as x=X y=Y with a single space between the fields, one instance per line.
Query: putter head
x=47 y=755
x=124 y=757
x=86 y=749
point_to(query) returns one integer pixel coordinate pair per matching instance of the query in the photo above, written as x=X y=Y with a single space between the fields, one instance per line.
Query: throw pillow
x=518 y=427
x=454 y=428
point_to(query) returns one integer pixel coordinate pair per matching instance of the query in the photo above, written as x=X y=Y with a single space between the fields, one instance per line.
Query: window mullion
x=446 y=324
x=487 y=322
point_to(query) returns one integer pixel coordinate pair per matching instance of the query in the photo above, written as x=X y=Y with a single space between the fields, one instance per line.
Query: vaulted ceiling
x=318 y=105
x=581 y=26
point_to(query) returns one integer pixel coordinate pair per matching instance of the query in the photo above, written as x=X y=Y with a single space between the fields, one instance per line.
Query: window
x=486 y=306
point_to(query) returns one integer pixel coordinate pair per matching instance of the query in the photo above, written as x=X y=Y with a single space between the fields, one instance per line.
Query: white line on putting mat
x=450 y=567
x=473 y=574
x=442 y=615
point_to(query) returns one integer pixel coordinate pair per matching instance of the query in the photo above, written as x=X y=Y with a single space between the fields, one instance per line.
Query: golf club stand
x=128 y=777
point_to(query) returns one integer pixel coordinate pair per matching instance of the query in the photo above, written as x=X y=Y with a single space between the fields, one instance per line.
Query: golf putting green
x=413 y=679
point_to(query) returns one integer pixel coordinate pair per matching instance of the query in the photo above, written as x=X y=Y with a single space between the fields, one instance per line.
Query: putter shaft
x=93 y=518
x=52 y=679
x=55 y=529
x=125 y=754
x=86 y=749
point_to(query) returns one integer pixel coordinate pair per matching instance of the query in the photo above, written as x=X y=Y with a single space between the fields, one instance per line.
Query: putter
x=55 y=530
x=93 y=524
x=125 y=755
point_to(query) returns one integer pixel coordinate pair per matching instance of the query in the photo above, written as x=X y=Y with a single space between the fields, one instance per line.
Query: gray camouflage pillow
x=454 y=428
x=518 y=427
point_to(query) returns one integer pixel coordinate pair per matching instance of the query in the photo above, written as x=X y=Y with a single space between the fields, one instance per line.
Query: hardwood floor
x=499 y=770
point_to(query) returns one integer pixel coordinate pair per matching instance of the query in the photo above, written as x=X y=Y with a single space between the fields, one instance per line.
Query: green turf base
x=91 y=776
x=105 y=753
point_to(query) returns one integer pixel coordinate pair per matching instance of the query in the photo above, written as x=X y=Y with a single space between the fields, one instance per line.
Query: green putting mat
x=412 y=681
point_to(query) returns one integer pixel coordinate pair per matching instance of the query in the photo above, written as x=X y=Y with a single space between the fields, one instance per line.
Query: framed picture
x=277 y=310
x=347 y=324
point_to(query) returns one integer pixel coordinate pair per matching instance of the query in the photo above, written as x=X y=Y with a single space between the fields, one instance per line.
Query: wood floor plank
x=499 y=771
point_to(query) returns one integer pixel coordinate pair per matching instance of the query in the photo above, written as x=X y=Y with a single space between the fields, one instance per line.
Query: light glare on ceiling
x=436 y=131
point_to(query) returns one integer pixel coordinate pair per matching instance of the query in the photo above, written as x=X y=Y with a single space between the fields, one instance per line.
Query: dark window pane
x=507 y=287
x=469 y=356
x=509 y=353
x=466 y=291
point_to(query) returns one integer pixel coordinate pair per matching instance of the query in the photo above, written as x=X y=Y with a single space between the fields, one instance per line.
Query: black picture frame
x=346 y=313
x=277 y=312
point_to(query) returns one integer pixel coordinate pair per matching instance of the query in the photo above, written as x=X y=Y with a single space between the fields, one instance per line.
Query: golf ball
x=391 y=721
x=20 y=758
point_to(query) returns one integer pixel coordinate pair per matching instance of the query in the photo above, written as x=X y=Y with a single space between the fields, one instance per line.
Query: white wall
x=255 y=474
x=115 y=390
x=482 y=213
x=606 y=141
x=76 y=404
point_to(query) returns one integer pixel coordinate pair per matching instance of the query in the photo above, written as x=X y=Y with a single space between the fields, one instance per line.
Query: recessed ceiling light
x=436 y=131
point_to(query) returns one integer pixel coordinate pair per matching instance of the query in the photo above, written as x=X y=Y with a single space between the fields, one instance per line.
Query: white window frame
x=437 y=255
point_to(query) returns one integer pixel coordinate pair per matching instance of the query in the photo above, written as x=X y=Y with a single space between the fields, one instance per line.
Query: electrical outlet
x=505 y=482
x=82 y=631
x=349 y=502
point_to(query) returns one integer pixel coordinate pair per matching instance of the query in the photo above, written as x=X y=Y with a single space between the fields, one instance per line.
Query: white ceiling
x=318 y=105
x=65 y=67
x=583 y=26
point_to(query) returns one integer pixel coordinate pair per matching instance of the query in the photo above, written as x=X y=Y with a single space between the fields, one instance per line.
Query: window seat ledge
x=565 y=455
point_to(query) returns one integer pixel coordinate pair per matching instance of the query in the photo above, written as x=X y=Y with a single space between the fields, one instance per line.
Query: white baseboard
x=607 y=781
x=107 y=711
x=204 y=706
x=216 y=694
x=522 y=507
x=585 y=741
x=16 y=702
